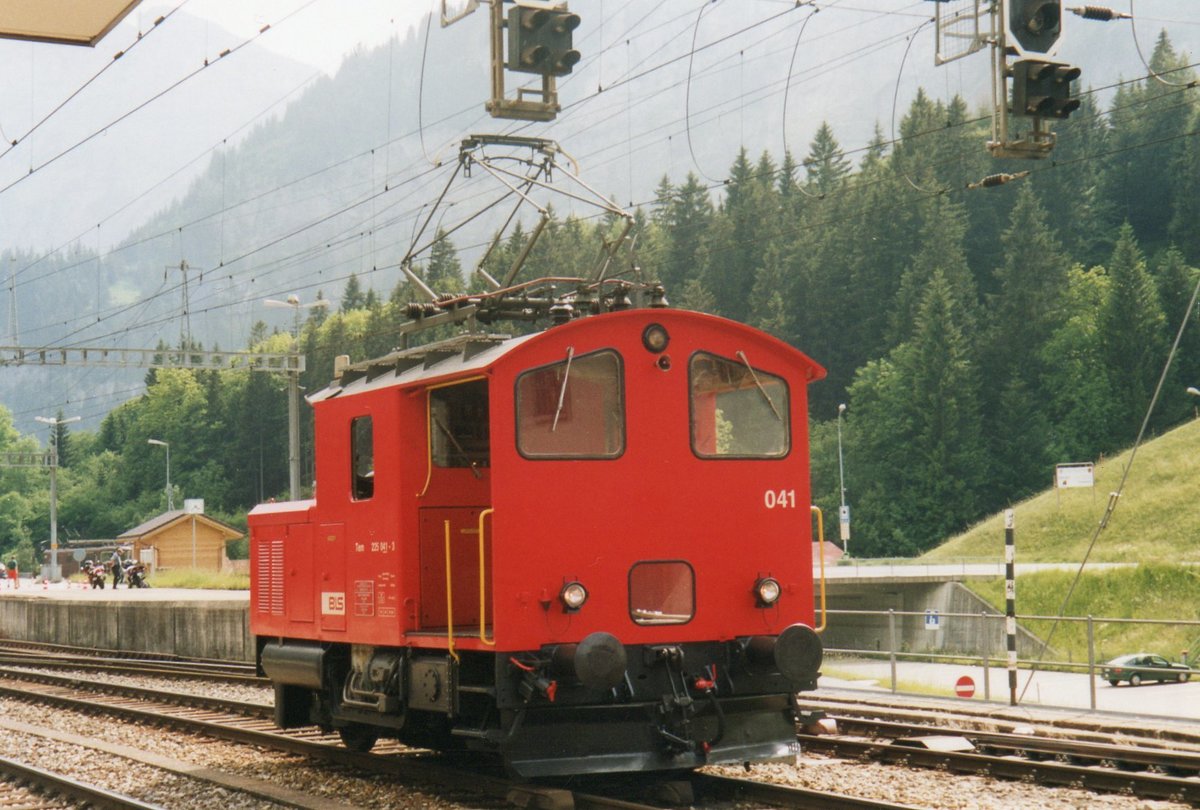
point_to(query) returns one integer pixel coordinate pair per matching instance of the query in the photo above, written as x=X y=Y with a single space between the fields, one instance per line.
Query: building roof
x=160 y=522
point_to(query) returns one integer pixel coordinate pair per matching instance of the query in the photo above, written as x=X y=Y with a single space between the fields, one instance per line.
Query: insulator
x=420 y=309
x=1100 y=13
x=993 y=180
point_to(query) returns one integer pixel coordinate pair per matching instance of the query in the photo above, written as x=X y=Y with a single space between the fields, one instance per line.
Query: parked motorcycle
x=94 y=573
x=135 y=575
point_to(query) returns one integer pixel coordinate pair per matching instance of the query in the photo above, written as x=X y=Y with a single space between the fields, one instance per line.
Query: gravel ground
x=264 y=695
x=919 y=787
x=926 y=788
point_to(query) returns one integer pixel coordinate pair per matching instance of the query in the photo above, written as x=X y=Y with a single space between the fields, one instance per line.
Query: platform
x=178 y=621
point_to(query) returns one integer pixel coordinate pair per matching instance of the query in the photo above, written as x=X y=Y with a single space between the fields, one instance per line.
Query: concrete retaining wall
x=219 y=630
x=970 y=635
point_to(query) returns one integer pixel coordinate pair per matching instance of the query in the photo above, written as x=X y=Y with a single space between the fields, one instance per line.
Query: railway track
x=29 y=788
x=249 y=724
x=58 y=656
x=1144 y=767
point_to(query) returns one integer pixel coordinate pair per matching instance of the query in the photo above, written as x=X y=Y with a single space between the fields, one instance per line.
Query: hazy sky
x=318 y=32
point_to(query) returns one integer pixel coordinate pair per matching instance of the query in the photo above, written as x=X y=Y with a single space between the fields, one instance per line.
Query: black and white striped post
x=1010 y=602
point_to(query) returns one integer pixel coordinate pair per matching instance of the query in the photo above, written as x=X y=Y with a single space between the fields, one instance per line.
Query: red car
x=585 y=550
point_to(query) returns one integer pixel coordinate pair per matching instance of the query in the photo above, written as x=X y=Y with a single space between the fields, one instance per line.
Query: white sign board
x=1067 y=476
x=193 y=506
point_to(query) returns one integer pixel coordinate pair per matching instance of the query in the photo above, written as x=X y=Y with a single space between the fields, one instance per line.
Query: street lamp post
x=1191 y=389
x=55 y=574
x=844 y=511
x=170 y=493
x=293 y=302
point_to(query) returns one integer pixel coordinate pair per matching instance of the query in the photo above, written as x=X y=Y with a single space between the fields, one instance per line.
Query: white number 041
x=780 y=499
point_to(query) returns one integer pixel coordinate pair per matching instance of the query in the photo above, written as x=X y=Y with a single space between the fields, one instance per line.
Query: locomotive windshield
x=572 y=409
x=737 y=411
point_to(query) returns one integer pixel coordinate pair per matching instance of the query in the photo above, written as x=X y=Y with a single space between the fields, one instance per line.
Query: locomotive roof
x=455 y=355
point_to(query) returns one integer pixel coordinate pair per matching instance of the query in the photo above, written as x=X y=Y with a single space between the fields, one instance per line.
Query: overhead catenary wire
x=34 y=169
x=75 y=93
x=1138 y=47
x=653 y=69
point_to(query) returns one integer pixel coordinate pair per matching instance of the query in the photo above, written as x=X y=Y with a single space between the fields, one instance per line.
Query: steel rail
x=128 y=667
x=48 y=783
x=787 y=796
x=410 y=765
x=223 y=705
x=139 y=656
x=1145 y=785
x=1099 y=729
x=1027 y=744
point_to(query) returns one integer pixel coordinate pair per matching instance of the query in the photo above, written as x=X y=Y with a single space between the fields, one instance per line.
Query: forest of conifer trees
x=977 y=336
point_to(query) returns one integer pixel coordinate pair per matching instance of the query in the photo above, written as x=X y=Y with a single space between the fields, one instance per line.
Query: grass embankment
x=1155 y=526
x=208 y=580
x=1151 y=591
x=1156 y=520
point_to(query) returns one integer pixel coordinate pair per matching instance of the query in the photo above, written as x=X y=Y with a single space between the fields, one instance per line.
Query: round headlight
x=573 y=595
x=655 y=338
x=767 y=590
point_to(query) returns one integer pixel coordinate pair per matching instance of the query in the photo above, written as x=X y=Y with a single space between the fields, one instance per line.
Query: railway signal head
x=1034 y=26
x=1042 y=89
x=540 y=40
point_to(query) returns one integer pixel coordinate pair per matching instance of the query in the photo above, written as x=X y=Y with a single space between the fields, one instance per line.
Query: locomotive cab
x=585 y=550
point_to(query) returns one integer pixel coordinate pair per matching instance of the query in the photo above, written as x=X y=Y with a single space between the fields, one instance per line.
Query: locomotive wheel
x=358 y=737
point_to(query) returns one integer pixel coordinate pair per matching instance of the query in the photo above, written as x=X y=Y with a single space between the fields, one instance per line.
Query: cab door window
x=458 y=416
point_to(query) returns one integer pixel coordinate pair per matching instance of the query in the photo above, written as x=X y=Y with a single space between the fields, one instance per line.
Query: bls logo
x=333 y=604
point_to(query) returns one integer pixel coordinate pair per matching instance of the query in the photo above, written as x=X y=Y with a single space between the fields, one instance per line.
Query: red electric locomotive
x=585 y=550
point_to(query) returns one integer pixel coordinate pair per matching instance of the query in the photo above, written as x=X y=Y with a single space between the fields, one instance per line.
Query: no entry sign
x=964 y=687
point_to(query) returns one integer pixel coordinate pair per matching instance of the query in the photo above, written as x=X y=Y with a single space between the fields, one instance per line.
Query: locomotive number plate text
x=780 y=499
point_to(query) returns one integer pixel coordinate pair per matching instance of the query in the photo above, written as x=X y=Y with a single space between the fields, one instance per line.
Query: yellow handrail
x=449 y=600
x=482 y=579
x=821 y=554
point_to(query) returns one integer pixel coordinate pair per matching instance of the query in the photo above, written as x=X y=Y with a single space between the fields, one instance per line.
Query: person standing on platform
x=13 y=573
x=118 y=567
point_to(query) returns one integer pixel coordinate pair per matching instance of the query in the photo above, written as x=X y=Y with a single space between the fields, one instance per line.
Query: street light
x=293 y=303
x=55 y=575
x=170 y=494
x=1196 y=393
x=844 y=511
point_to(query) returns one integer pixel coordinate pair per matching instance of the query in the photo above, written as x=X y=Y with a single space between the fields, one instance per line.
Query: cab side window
x=737 y=411
x=362 y=458
x=572 y=409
